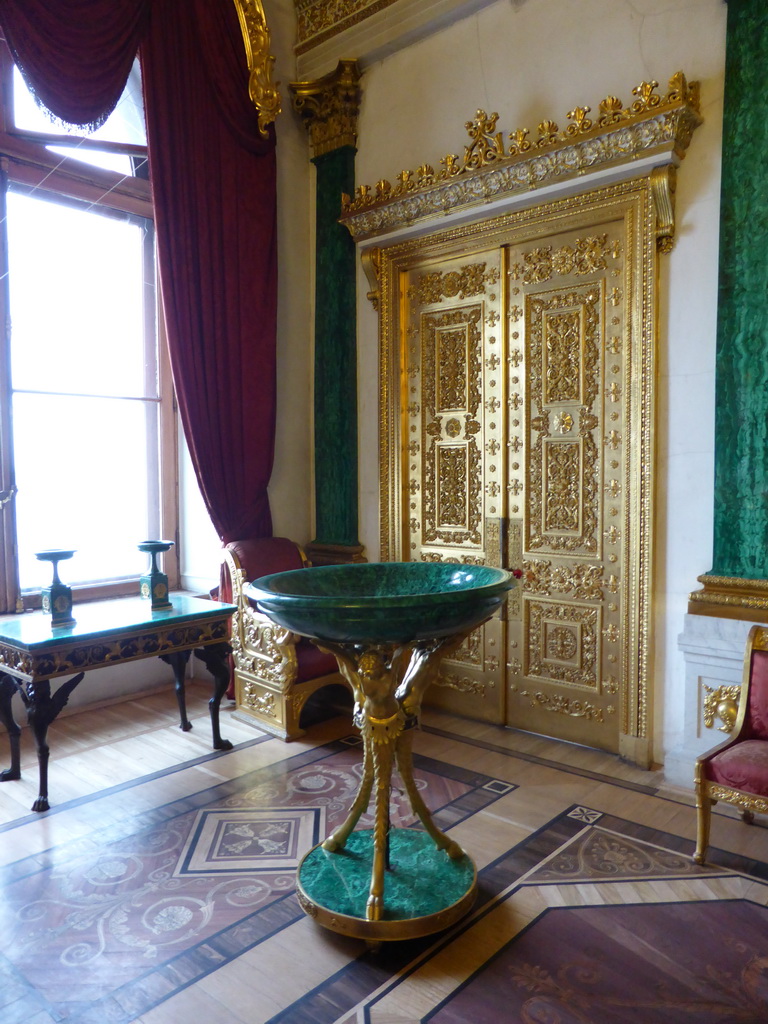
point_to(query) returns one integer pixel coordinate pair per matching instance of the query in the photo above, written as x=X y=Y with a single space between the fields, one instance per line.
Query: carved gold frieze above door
x=517 y=416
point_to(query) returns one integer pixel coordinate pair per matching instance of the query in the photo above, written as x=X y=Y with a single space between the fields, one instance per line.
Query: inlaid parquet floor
x=159 y=887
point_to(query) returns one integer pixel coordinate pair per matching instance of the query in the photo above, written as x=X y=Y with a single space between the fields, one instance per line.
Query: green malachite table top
x=32 y=631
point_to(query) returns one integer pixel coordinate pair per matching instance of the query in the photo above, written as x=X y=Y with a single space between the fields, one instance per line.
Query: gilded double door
x=522 y=444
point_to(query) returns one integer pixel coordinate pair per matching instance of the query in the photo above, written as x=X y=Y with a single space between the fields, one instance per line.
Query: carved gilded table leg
x=178 y=662
x=214 y=657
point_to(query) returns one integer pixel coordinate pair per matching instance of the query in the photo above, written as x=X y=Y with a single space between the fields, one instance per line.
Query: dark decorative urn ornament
x=154 y=585
x=57 y=599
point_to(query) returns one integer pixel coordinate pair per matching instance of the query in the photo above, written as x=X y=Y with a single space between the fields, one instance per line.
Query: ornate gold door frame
x=550 y=380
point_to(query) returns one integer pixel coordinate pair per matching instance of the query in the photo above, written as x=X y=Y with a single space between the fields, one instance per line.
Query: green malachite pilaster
x=741 y=416
x=335 y=356
x=329 y=108
x=741 y=424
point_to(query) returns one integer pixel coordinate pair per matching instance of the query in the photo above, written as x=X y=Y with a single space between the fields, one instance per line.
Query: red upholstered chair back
x=756 y=720
x=260 y=558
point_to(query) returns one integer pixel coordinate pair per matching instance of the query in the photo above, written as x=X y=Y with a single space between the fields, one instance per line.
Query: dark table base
x=43 y=707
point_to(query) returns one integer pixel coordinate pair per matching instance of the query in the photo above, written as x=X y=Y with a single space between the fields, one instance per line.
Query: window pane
x=124 y=124
x=82 y=477
x=77 y=288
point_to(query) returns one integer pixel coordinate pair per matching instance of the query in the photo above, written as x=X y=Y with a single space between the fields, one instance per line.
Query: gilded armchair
x=736 y=771
x=275 y=671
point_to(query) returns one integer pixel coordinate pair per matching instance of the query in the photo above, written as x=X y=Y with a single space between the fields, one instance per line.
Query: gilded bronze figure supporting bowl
x=389 y=625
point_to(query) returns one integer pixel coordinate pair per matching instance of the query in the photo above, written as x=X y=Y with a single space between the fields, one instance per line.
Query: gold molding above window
x=652 y=131
x=261 y=88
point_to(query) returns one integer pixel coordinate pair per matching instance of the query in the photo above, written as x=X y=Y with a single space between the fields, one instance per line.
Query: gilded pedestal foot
x=374 y=908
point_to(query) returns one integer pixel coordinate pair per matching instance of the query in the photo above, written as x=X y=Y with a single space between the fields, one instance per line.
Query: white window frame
x=26 y=161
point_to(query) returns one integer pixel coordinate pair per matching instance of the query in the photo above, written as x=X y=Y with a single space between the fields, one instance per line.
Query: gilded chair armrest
x=260 y=647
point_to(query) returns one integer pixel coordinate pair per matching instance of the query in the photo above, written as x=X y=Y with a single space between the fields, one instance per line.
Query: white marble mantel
x=713 y=651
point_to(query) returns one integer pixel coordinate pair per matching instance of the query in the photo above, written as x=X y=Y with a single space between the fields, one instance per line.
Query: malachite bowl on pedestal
x=388 y=624
x=382 y=602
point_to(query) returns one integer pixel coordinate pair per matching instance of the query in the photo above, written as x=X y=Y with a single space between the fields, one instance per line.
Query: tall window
x=86 y=418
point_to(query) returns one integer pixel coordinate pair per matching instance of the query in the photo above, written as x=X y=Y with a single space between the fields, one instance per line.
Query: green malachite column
x=737 y=585
x=330 y=107
x=335 y=356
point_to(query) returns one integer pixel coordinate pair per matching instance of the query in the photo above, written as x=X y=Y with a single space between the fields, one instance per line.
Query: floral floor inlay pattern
x=105 y=929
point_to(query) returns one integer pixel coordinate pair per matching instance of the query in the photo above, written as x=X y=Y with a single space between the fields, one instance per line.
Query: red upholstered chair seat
x=736 y=771
x=313 y=662
x=743 y=766
x=757 y=715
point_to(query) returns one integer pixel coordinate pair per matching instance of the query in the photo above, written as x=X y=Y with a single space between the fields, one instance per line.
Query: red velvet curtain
x=213 y=179
x=75 y=54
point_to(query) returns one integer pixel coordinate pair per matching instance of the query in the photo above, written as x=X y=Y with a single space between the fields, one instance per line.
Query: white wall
x=537 y=60
x=291 y=490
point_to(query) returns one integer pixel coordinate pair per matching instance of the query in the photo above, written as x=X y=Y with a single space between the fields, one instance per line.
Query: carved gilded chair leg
x=703 y=819
x=338 y=838
x=405 y=764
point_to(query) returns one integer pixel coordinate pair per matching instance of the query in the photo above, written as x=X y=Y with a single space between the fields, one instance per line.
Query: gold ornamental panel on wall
x=655 y=125
x=562 y=643
x=451 y=500
x=562 y=357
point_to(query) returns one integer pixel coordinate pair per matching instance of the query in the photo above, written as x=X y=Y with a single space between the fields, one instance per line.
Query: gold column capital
x=329 y=107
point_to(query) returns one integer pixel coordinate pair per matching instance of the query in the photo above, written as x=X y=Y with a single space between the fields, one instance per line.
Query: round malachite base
x=424 y=890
